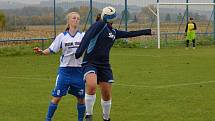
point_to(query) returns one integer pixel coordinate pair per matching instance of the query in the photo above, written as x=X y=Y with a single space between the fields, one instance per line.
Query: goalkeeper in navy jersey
x=96 y=45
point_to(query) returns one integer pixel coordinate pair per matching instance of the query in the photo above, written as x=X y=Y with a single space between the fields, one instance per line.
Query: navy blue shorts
x=104 y=74
x=69 y=78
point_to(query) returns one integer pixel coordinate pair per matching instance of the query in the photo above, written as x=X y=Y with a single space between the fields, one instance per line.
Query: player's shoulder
x=98 y=24
x=82 y=33
x=66 y=33
x=62 y=34
x=79 y=33
x=59 y=36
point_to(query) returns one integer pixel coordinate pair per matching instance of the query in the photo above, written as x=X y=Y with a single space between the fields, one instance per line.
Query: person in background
x=190 y=33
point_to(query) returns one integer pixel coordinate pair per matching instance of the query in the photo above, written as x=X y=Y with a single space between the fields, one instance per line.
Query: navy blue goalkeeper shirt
x=98 y=40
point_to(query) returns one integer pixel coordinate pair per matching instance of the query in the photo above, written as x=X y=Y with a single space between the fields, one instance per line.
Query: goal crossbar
x=186 y=3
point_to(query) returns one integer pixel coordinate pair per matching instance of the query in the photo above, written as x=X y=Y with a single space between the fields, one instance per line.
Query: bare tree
x=146 y=14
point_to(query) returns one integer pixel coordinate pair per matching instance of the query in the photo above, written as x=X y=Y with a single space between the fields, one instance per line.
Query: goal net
x=173 y=17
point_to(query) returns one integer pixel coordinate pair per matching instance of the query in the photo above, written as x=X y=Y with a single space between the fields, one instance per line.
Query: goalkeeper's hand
x=38 y=51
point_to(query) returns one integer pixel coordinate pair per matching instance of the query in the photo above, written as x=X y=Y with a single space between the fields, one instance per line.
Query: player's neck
x=73 y=30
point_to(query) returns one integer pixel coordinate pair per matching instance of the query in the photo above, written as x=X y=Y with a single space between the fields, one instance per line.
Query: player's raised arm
x=124 y=34
x=89 y=35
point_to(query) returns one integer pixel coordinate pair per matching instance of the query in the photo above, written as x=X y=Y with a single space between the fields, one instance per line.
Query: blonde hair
x=67 y=19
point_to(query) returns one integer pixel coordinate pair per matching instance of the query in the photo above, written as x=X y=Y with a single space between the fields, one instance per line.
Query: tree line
x=45 y=16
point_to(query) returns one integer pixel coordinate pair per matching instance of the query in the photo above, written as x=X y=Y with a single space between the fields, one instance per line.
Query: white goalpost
x=158 y=4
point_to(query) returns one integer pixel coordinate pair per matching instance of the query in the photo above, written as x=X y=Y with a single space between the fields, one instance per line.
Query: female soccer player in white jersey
x=70 y=71
x=96 y=44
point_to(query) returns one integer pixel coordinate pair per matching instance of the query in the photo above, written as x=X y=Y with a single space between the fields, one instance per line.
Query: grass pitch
x=150 y=85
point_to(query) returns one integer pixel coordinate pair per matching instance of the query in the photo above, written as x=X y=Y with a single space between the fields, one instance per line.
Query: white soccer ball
x=108 y=14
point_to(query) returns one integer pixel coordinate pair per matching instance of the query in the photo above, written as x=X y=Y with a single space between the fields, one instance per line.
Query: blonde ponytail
x=67 y=27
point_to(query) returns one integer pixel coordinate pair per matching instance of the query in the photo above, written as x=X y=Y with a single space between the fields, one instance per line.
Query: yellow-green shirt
x=191 y=27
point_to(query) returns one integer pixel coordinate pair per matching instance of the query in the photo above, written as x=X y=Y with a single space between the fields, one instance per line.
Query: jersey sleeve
x=186 y=27
x=56 y=44
x=90 y=33
x=124 y=34
x=195 y=28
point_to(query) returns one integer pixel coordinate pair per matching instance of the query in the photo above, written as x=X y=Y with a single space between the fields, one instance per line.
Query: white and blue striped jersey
x=69 y=45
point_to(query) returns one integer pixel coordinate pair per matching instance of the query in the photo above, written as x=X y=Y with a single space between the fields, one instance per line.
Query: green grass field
x=151 y=85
